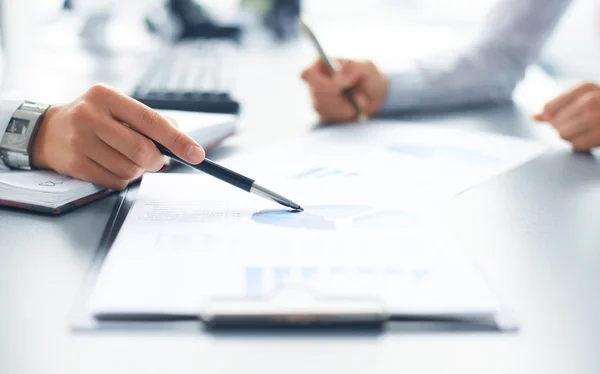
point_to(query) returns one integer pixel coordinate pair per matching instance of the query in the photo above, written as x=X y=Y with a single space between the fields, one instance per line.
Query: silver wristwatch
x=15 y=147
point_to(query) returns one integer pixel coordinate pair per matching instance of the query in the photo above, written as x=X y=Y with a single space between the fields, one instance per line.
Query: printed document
x=412 y=163
x=369 y=229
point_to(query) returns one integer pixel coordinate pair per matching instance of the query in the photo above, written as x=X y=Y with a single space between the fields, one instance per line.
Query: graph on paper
x=324 y=172
x=401 y=171
x=460 y=156
x=260 y=280
x=335 y=217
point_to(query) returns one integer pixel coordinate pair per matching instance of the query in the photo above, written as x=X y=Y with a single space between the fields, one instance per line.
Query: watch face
x=17 y=126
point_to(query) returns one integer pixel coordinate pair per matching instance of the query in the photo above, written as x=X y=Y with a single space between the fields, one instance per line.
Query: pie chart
x=335 y=217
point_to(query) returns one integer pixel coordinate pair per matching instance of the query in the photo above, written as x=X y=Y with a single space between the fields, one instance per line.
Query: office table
x=533 y=232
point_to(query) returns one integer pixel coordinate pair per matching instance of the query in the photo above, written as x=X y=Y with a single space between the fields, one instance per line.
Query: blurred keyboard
x=190 y=76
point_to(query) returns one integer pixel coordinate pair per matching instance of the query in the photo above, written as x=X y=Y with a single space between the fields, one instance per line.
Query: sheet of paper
x=420 y=163
x=369 y=227
x=40 y=181
x=190 y=239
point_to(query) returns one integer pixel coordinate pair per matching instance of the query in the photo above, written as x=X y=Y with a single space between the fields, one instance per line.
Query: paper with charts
x=190 y=239
x=415 y=164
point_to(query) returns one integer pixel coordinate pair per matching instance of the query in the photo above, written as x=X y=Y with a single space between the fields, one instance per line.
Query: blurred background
x=45 y=36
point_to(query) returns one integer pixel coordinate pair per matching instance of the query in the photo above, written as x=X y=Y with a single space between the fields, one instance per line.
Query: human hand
x=368 y=84
x=88 y=139
x=169 y=162
x=576 y=116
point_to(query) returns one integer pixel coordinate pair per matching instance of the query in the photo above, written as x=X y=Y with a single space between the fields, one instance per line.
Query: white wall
x=574 y=49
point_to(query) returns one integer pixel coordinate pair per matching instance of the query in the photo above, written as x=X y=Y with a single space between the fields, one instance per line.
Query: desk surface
x=533 y=232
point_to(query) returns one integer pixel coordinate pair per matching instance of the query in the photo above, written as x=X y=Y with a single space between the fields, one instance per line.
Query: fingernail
x=361 y=101
x=542 y=117
x=195 y=154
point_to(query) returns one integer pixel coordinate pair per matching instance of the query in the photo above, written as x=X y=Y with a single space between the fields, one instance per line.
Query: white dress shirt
x=489 y=69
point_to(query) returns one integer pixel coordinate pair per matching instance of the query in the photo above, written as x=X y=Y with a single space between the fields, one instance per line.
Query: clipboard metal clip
x=293 y=306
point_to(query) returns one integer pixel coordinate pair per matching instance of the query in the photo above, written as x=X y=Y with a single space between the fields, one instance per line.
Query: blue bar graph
x=308 y=273
x=323 y=172
x=366 y=271
x=254 y=280
x=281 y=276
x=337 y=270
x=307 y=173
x=329 y=173
x=420 y=274
x=393 y=271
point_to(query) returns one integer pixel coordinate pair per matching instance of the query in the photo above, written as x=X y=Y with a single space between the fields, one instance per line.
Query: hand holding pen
x=343 y=90
x=86 y=139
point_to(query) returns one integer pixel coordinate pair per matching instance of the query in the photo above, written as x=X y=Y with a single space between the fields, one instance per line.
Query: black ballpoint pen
x=228 y=176
x=346 y=92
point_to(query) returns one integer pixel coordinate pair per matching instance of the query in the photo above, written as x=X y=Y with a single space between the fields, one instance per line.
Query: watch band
x=17 y=142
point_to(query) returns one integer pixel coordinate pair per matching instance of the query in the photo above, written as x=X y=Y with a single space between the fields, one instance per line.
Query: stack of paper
x=189 y=240
x=408 y=163
x=366 y=232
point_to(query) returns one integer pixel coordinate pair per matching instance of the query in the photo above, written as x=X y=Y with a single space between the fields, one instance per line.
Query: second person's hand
x=369 y=87
x=93 y=139
x=576 y=116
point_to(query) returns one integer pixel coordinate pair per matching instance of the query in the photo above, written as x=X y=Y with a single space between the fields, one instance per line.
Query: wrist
x=382 y=97
x=40 y=154
x=17 y=141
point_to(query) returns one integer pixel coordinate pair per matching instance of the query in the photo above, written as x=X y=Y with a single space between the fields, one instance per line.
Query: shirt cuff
x=404 y=93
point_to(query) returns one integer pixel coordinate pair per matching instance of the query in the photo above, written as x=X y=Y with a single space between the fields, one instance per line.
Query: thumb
x=350 y=74
x=539 y=117
x=168 y=162
x=362 y=101
x=542 y=116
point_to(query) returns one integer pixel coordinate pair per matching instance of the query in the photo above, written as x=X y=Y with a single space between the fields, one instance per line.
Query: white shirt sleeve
x=8 y=106
x=489 y=69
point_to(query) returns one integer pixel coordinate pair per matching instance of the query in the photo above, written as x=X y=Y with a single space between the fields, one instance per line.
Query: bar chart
x=262 y=280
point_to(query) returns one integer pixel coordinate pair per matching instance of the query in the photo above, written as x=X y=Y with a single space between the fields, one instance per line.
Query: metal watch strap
x=22 y=160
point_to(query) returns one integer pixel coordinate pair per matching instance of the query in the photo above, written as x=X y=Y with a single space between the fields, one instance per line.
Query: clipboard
x=323 y=311
x=264 y=312
x=311 y=311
